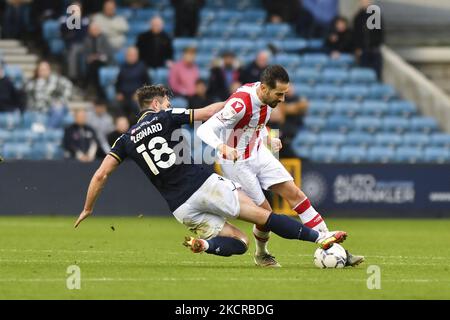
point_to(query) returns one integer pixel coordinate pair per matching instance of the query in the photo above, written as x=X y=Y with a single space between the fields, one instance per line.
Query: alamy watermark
x=374 y=279
x=73 y=20
x=73 y=281
x=374 y=21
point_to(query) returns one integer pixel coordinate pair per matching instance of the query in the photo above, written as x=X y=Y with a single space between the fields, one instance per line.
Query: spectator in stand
x=155 y=46
x=133 y=75
x=80 y=141
x=74 y=41
x=98 y=53
x=102 y=123
x=187 y=17
x=49 y=93
x=252 y=72
x=340 y=39
x=281 y=10
x=113 y=26
x=368 y=42
x=288 y=119
x=184 y=74
x=323 y=12
x=222 y=77
x=9 y=96
x=122 y=125
x=200 y=98
x=15 y=19
x=41 y=11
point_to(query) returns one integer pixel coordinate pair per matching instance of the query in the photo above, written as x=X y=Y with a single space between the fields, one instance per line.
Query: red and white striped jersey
x=243 y=119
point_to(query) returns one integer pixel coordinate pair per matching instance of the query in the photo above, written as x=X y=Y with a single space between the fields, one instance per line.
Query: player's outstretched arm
x=96 y=185
x=207 y=112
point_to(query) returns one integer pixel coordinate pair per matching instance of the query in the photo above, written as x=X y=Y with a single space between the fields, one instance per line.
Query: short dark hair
x=148 y=93
x=273 y=74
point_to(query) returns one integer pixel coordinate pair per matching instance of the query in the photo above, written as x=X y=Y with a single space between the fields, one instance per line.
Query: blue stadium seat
x=304 y=90
x=254 y=15
x=46 y=151
x=51 y=29
x=347 y=108
x=361 y=139
x=424 y=124
x=374 y=108
x=9 y=120
x=315 y=124
x=293 y=45
x=160 y=76
x=238 y=46
x=362 y=75
x=137 y=28
x=331 y=139
x=180 y=43
x=440 y=140
x=395 y=124
x=339 y=123
x=319 y=107
x=382 y=91
x=306 y=75
x=145 y=14
x=380 y=154
x=413 y=139
x=314 y=60
x=436 y=155
x=212 y=45
x=25 y=136
x=108 y=76
x=352 y=154
x=408 y=155
x=179 y=102
x=354 y=91
x=335 y=75
x=5 y=136
x=315 y=44
x=57 y=46
x=54 y=136
x=287 y=60
x=277 y=30
x=325 y=154
x=127 y=13
x=303 y=152
x=120 y=56
x=368 y=124
x=343 y=61
x=402 y=108
x=305 y=138
x=326 y=91
x=14 y=151
x=388 y=139
x=15 y=74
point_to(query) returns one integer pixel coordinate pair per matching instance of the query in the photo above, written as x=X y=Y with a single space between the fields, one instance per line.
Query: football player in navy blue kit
x=199 y=198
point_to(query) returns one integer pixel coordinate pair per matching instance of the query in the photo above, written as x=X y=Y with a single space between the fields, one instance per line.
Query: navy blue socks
x=289 y=228
x=225 y=246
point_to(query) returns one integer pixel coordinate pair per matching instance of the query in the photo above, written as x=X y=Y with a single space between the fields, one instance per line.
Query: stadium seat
x=108 y=76
x=424 y=124
x=380 y=154
x=9 y=120
x=5 y=136
x=160 y=75
x=326 y=91
x=347 y=108
x=306 y=75
x=388 y=139
x=54 y=136
x=293 y=45
x=408 y=155
x=180 y=43
x=25 y=136
x=15 y=74
x=277 y=30
x=331 y=139
x=343 y=61
x=440 y=140
x=402 y=108
x=316 y=60
x=46 y=151
x=362 y=75
x=314 y=124
x=304 y=138
x=354 y=91
x=325 y=154
x=368 y=124
x=51 y=29
x=339 y=123
x=395 y=124
x=14 y=151
x=436 y=155
x=304 y=90
x=287 y=60
x=179 y=102
x=381 y=91
x=360 y=139
x=374 y=108
x=352 y=154
x=57 y=46
x=416 y=139
x=320 y=107
x=303 y=152
x=335 y=75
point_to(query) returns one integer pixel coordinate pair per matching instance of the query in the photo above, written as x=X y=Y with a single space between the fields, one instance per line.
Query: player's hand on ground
x=83 y=215
x=276 y=144
x=229 y=152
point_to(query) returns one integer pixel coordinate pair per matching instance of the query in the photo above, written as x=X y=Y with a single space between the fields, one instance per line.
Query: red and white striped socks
x=310 y=217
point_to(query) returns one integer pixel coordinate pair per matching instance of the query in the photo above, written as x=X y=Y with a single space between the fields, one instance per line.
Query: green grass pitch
x=144 y=259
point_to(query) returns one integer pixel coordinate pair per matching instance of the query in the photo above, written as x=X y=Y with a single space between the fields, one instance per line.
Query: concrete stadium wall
x=59 y=188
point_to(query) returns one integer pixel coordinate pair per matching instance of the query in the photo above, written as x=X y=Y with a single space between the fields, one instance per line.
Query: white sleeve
x=212 y=130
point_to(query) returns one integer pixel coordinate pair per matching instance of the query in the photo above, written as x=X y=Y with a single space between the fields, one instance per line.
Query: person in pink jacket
x=184 y=74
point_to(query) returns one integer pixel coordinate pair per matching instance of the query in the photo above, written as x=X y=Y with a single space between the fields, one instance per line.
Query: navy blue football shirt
x=149 y=143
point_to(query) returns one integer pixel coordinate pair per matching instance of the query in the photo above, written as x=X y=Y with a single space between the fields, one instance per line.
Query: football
x=335 y=257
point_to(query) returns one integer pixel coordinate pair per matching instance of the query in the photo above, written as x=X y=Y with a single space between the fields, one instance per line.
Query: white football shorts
x=257 y=174
x=207 y=210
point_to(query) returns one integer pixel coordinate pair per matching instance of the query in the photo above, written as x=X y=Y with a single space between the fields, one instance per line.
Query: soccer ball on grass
x=334 y=257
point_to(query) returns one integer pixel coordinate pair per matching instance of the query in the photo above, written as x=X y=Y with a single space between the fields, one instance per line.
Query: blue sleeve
x=118 y=150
